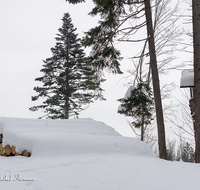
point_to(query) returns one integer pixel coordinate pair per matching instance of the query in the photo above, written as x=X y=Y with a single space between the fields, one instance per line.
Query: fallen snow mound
x=67 y=137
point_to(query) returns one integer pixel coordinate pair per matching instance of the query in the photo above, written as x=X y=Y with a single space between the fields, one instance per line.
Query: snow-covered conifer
x=138 y=104
x=69 y=81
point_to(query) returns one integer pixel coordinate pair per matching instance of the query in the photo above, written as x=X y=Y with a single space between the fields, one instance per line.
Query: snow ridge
x=68 y=137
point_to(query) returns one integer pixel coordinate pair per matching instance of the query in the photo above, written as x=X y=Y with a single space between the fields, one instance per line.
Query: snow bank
x=84 y=154
x=44 y=138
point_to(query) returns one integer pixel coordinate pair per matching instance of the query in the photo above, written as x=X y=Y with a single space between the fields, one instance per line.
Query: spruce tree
x=188 y=153
x=69 y=81
x=138 y=104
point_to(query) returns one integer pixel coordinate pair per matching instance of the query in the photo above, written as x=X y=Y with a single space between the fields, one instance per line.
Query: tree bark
x=156 y=84
x=196 y=46
x=142 y=128
x=66 y=111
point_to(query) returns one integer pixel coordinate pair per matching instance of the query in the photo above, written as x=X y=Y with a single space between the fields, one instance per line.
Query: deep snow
x=84 y=154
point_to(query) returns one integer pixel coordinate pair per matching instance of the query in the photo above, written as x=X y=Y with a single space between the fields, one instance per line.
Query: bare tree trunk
x=196 y=45
x=142 y=128
x=156 y=85
x=66 y=110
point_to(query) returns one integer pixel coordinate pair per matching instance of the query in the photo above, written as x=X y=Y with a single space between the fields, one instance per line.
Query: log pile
x=11 y=151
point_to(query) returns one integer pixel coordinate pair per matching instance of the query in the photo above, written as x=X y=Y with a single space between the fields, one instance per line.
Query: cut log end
x=26 y=153
x=13 y=149
x=16 y=154
x=8 y=150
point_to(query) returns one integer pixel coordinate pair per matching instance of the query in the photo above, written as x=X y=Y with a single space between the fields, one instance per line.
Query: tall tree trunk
x=142 y=128
x=66 y=110
x=156 y=85
x=196 y=45
x=67 y=90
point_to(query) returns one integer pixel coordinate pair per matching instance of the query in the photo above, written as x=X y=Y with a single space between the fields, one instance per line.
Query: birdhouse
x=187 y=78
x=187 y=81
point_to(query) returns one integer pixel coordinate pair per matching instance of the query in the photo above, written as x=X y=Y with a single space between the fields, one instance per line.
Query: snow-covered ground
x=84 y=154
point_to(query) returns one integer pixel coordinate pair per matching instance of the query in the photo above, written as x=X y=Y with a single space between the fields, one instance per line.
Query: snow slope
x=84 y=154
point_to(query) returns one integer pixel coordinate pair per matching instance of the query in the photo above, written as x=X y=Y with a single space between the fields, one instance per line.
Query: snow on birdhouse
x=187 y=78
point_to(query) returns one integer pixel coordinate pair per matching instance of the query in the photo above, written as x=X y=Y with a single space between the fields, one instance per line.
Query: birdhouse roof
x=187 y=78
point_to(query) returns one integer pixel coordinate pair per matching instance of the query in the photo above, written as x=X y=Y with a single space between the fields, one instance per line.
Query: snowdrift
x=84 y=154
x=44 y=138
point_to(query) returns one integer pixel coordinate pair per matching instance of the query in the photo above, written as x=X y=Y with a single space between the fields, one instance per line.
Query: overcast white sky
x=27 y=32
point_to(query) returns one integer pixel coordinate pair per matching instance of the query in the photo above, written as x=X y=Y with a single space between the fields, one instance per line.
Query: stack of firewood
x=10 y=151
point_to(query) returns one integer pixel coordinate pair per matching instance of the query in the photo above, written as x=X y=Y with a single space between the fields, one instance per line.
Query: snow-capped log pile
x=10 y=151
x=42 y=138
